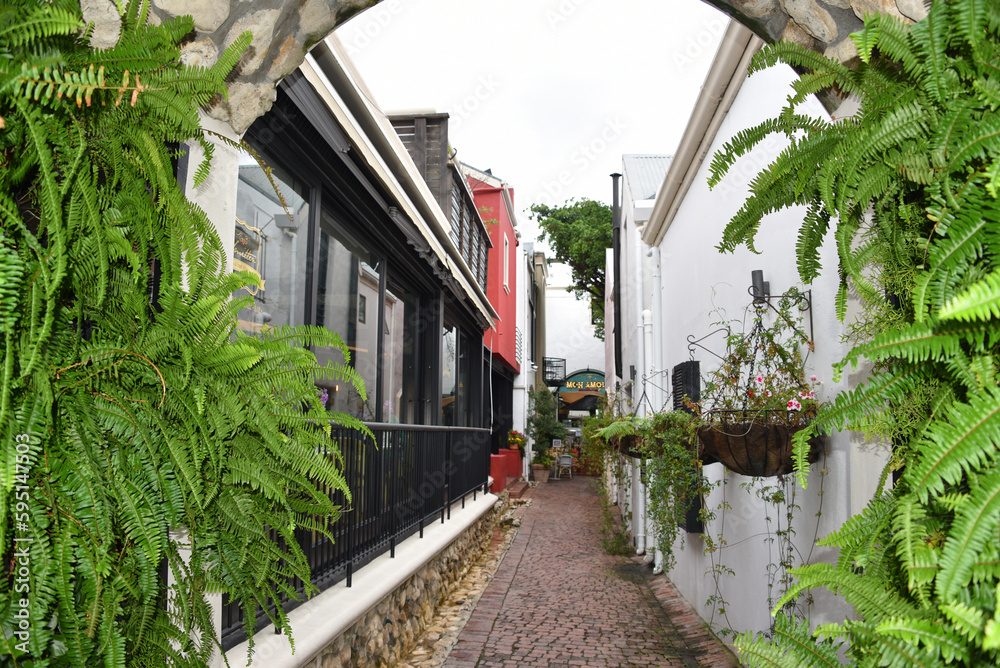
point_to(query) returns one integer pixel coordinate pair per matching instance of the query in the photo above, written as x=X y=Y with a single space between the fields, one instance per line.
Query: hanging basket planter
x=628 y=444
x=753 y=448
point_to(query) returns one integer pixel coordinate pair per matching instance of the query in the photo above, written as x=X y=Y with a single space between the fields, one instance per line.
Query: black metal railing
x=554 y=370
x=404 y=479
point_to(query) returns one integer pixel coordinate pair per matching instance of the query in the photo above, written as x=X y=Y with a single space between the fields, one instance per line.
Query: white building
x=671 y=270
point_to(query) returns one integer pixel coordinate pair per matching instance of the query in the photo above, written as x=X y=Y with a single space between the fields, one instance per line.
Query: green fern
x=909 y=187
x=140 y=417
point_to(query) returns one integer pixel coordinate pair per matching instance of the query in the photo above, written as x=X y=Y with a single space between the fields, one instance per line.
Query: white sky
x=547 y=93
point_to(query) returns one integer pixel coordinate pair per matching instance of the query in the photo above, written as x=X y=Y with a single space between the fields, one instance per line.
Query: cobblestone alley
x=558 y=599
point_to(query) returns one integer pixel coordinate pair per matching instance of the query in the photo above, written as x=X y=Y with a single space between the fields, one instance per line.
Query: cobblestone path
x=558 y=599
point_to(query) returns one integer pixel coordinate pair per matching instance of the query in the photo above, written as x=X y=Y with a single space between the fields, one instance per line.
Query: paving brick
x=557 y=599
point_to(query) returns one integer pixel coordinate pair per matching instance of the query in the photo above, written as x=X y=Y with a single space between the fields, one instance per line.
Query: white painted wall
x=641 y=394
x=569 y=333
x=697 y=280
x=525 y=380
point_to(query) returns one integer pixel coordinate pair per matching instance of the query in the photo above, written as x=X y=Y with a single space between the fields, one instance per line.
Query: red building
x=495 y=203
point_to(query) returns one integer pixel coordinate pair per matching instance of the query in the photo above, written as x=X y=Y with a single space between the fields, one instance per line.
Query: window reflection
x=399 y=364
x=449 y=374
x=347 y=280
x=456 y=373
x=272 y=244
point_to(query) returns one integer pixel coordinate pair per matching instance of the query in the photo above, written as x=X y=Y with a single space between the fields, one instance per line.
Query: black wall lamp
x=760 y=290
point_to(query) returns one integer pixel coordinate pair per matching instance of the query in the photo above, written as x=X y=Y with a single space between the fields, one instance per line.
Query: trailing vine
x=131 y=408
x=672 y=475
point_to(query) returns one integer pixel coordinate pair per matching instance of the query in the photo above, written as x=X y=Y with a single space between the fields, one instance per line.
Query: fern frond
x=975 y=523
x=871 y=599
x=931 y=38
x=858 y=536
x=894 y=652
x=799 y=56
x=962 y=441
x=979 y=302
x=919 y=342
x=853 y=406
x=792 y=647
x=968 y=621
x=40 y=23
x=930 y=634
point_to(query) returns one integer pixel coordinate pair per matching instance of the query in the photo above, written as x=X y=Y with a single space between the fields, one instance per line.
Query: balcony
x=554 y=370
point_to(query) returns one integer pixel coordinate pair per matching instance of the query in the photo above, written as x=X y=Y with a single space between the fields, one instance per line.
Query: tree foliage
x=543 y=419
x=580 y=233
x=129 y=405
x=908 y=189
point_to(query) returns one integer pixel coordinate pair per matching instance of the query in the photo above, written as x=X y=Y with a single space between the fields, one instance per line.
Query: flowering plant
x=762 y=378
x=516 y=440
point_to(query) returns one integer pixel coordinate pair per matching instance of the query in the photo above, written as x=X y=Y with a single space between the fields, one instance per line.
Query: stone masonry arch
x=285 y=29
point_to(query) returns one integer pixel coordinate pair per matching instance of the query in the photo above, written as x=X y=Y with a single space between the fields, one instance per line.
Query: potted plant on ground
x=544 y=426
x=541 y=466
x=759 y=397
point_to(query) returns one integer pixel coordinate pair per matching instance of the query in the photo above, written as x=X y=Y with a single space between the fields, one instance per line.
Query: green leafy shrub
x=130 y=406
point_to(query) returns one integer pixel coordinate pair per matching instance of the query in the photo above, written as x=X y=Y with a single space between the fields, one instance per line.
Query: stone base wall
x=385 y=634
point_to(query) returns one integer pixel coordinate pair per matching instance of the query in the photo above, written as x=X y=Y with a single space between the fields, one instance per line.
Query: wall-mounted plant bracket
x=696 y=343
x=760 y=290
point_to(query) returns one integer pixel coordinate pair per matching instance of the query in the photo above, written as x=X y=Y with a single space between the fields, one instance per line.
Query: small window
x=506 y=263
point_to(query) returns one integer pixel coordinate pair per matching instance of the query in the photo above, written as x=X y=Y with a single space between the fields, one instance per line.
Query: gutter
x=724 y=80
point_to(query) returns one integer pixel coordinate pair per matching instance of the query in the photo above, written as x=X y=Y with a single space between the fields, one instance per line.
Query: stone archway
x=285 y=29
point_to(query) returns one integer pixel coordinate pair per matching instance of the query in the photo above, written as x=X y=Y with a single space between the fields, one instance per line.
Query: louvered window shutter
x=687 y=385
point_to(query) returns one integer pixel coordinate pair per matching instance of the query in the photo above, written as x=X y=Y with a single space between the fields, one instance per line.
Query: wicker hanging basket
x=759 y=449
x=628 y=444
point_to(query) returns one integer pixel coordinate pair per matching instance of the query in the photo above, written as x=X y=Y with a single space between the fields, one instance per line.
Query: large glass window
x=348 y=279
x=464 y=414
x=400 y=371
x=270 y=241
x=456 y=376
x=449 y=375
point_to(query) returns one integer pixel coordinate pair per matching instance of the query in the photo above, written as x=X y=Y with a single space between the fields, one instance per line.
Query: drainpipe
x=639 y=503
x=656 y=327
x=646 y=331
x=616 y=249
x=658 y=563
x=656 y=362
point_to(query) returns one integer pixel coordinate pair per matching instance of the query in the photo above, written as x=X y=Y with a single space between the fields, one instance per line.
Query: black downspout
x=616 y=251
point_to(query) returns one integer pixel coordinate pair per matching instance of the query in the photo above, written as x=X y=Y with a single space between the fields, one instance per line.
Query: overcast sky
x=547 y=93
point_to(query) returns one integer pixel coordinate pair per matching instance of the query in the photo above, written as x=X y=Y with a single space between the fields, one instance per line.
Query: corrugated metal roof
x=645 y=174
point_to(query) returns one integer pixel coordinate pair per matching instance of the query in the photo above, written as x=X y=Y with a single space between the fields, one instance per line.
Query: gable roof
x=645 y=173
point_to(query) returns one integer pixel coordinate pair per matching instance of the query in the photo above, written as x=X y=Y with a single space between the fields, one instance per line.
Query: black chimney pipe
x=616 y=251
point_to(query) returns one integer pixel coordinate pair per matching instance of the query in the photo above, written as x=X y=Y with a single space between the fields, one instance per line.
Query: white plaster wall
x=632 y=299
x=525 y=380
x=698 y=280
x=217 y=195
x=569 y=333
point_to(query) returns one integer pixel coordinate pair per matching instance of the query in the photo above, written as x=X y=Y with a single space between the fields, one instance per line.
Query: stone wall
x=386 y=633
